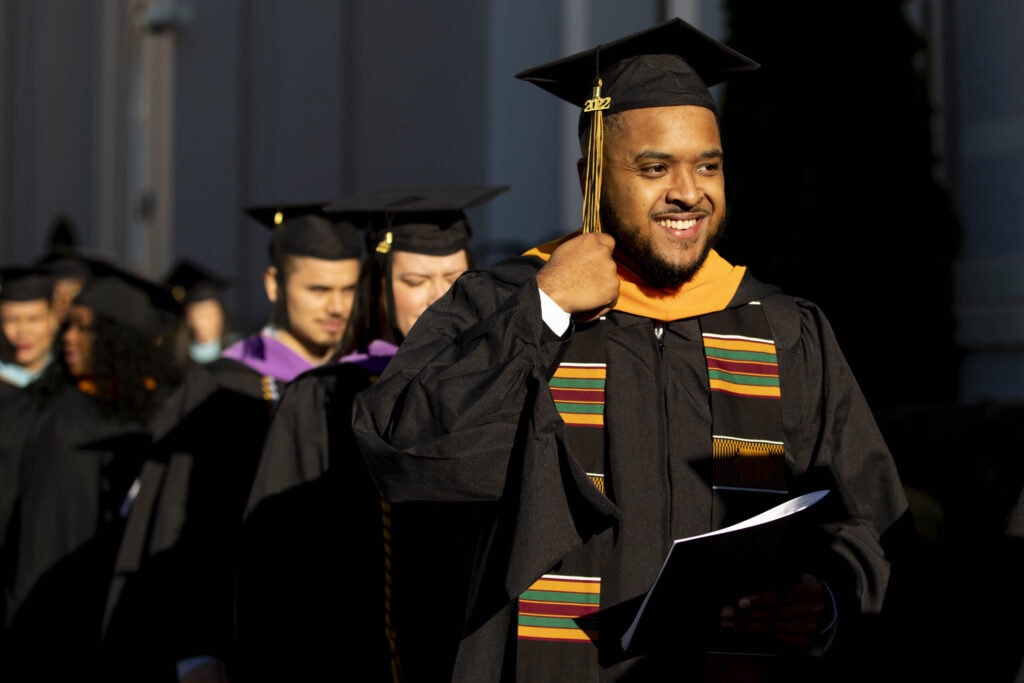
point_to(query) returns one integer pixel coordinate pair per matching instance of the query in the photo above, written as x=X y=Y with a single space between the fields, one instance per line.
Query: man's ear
x=270 y=283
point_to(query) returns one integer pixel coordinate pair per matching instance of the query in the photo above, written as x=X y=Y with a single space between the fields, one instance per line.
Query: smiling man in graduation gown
x=624 y=386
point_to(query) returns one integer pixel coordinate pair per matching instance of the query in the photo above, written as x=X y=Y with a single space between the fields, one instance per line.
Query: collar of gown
x=711 y=289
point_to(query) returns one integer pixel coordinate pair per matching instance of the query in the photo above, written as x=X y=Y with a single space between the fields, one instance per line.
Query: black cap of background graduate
x=670 y=64
x=305 y=230
x=25 y=283
x=189 y=282
x=424 y=220
x=130 y=300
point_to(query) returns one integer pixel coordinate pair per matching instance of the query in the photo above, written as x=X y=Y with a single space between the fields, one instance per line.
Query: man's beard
x=282 y=321
x=636 y=245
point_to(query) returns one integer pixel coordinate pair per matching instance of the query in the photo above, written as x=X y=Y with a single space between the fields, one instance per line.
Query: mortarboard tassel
x=595 y=156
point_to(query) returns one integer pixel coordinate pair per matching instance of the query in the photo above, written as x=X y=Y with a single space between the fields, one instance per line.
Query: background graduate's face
x=418 y=280
x=65 y=289
x=205 y=320
x=663 y=190
x=29 y=327
x=315 y=302
x=79 y=337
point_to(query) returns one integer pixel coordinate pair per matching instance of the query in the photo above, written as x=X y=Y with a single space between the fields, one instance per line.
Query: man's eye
x=654 y=169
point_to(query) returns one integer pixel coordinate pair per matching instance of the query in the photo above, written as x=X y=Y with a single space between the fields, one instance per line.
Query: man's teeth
x=677 y=225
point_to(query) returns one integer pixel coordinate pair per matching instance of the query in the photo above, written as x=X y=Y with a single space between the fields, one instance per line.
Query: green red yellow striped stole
x=578 y=392
x=741 y=365
x=560 y=608
x=748 y=451
x=748 y=457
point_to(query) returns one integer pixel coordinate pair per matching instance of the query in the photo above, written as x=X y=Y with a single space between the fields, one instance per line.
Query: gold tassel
x=595 y=153
x=384 y=246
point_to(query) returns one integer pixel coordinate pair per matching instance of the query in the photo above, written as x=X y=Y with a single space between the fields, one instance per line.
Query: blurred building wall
x=149 y=123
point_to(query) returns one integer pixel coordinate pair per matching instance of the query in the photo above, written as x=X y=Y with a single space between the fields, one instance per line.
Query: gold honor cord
x=595 y=153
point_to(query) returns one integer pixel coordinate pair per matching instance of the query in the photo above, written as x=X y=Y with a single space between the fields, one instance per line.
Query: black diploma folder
x=703 y=573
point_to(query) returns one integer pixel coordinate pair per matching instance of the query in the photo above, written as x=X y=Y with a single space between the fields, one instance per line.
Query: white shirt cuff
x=554 y=317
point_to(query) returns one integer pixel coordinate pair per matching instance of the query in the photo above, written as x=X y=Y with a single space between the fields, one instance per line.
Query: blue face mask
x=204 y=352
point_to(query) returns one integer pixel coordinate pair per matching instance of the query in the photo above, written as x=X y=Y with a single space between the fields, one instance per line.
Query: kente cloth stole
x=557 y=626
x=748 y=458
x=743 y=376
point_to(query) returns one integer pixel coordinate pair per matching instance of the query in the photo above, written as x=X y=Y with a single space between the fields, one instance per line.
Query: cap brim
x=18 y=283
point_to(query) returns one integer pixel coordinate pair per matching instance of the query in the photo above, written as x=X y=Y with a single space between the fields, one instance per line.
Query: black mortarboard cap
x=670 y=64
x=305 y=230
x=424 y=220
x=130 y=300
x=62 y=235
x=25 y=283
x=189 y=282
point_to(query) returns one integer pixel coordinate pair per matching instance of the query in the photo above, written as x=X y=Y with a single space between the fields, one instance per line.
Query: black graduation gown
x=75 y=469
x=171 y=594
x=7 y=390
x=17 y=412
x=463 y=414
x=1012 y=561
x=329 y=581
x=8 y=476
x=20 y=409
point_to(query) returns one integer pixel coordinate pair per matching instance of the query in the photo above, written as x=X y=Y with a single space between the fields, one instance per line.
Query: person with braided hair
x=77 y=455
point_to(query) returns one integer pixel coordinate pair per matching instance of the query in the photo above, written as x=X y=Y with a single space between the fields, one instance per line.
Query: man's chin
x=672 y=275
x=328 y=345
x=321 y=346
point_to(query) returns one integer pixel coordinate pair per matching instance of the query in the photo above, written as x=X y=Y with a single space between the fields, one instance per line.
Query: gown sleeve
x=452 y=402
x=462 y=414
x=833 y=441
x=295 y=450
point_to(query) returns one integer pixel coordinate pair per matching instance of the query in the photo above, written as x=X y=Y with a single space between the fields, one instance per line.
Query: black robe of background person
x=311 y=575
x=7 y=390
x=171 y=594
x=1011 y=564
x=463 y=413
x=20 y=409
x=76 y=467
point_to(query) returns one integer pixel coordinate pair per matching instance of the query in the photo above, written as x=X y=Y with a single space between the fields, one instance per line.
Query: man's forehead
x=681 y=121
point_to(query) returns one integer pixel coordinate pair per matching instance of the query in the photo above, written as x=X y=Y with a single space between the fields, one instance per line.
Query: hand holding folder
x=703 y=573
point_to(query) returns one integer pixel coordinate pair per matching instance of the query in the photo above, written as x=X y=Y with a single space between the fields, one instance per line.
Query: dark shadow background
x=833 y=195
